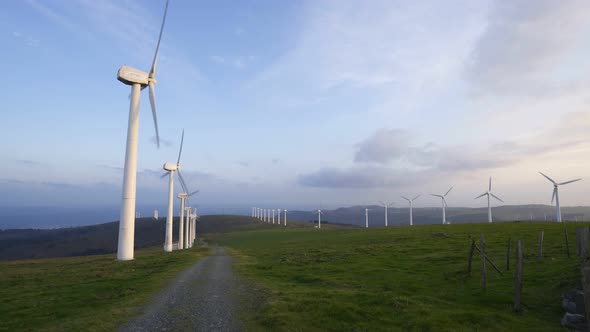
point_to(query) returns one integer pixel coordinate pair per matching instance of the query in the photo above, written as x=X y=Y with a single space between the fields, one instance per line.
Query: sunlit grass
x=404 y=278
x=94 y=293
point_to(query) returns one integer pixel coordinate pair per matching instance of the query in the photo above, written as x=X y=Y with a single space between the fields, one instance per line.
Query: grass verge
x=93 y=293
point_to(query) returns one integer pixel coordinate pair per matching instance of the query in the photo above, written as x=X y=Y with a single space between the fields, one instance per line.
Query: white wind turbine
x=366 y=218
x=194 y=227
x=489 y=193
x=320 y=214
x=411 y=201
x=138 y=80
x=156 y=214
x=386 y=206
x=273 y=216
x=279 y=217
x=171 y=168
x=184 y=224
x=285 y=219
x=444 y=204
x=556 y=195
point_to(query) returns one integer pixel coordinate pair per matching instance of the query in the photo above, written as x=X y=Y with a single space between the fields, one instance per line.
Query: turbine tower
x=279 y=217
x=138 y=80
x=444 y=204
x=156 y=214
x=171 y=168
x=273 y=216
x=320 y=213
x=386 y=206
x=285 y=219
x=556 y=195
x=411 y=201
x=181 y=242
x=489 y=193
x=366 y=218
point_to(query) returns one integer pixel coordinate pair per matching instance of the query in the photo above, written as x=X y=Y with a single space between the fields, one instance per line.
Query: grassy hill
x=403 y=278
x=94 y=293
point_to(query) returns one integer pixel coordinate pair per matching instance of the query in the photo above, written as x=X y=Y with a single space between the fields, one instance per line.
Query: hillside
x=404 y=278
x=102 y=239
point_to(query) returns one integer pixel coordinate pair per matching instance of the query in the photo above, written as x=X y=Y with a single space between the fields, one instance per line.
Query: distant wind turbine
x=386 y=206
x=156 y=214
x=320 y=213
x=171 y=168
x=279 y=216
x=285 y=219
x=366 y=217
x=138 y=80
x=488 y=194
x=273 y=216
x=444 y=204
x=411 y=201
x=556 y=194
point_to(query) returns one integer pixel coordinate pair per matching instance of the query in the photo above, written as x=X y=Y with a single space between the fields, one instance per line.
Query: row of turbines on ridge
x=265 y=214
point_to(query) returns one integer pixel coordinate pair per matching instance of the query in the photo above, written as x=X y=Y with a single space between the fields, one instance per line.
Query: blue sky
x=298 y=103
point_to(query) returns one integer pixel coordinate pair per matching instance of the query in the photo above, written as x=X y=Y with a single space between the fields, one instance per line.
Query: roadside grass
x=93 y=293
x=403 y=278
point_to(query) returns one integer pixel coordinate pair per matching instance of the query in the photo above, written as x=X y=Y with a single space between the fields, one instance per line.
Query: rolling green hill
x=403 y=278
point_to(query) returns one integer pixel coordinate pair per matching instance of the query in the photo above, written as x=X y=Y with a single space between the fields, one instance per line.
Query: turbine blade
x=548 y=178
x=566 y=182
x=482 y=195
x=490 y=187
x=154 y=63
x=496 y=197
x=449 y=190
x=180 y=151
x=435 y=195
x=154 y=114
x=164 y=175
x=182 y=183
x=194 y=192
x=380 y=202
x=407 y=199
x=554 y=192
x=416 y=197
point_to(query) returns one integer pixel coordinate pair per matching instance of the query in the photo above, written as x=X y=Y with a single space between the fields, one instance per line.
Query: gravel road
x=203 y=298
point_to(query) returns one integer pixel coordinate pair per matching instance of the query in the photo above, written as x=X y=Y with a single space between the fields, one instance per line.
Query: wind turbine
x=386 y=206
x=171 y=168
x=279 y=216
x=366 y=217
x=411 y=201
x=273 y=216
x=444 y=204
x=320 y=213
x=156 y=214
x=285 y=219
x=138 y=80
x=556 y=194
x=489 y=193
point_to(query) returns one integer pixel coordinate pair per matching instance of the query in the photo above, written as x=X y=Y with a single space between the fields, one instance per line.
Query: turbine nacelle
x=183 y=196
x=129 y=76
x=170 y=167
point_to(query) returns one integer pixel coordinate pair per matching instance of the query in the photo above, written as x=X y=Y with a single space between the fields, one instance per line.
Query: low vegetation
x=403 y=278
x=93 y=293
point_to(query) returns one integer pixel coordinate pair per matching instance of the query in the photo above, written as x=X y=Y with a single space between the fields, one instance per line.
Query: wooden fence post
x=541 y=245
x=518 y=278
x=482 y=250
x=471 y=256
x=508 y=255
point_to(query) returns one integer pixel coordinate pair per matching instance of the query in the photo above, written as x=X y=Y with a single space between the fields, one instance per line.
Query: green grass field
x=94 y=293
x=403 y=278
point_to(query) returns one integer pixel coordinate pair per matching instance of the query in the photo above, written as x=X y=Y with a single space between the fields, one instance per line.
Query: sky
x=298 y=104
